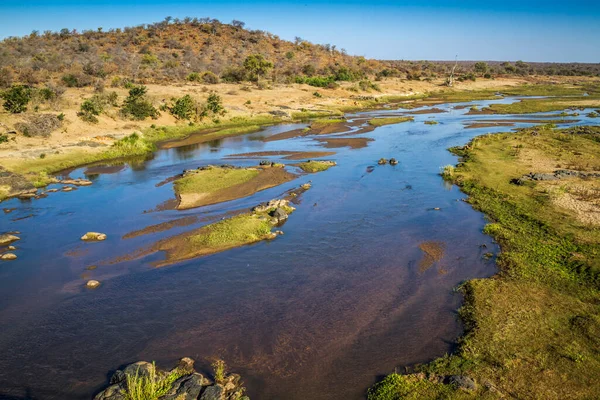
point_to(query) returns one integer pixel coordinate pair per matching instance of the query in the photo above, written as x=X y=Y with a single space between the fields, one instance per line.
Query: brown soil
x=353 y=143
x=267 y=178
x=432 y=253
x=487 y=124
x=164 y=226
x=287 y=135
x=328 y=128
x=289 y=155
x=428 y=111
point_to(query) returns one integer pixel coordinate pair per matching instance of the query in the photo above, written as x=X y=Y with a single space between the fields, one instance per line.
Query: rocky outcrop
x=8 y=257
x=76 y=182
x=553 y=176
x=14 y=185
x=93 y=237
x=92 y=284
x=7 y=238
x=190 y=385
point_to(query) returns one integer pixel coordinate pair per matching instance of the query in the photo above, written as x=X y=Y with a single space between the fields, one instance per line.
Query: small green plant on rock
x=219 y=370
x=448 y=171
x=150 y=386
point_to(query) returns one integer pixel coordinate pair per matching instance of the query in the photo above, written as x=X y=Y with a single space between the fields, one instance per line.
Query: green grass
x=316 y=166
x=403 y=387
x=389 y=121
x=151 y=387
x=306 y=115
x=544 y=90
x=327 y=121
x=213 y=179
x=528 y=106
x=431 y=122
x=533 y=330
x=229 y=233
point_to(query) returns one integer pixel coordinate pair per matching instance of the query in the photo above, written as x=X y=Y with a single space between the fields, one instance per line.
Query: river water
x=346 y=295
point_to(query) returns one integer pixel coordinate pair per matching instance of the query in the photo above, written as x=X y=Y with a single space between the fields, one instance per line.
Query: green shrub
x=16 y=98
x=214 y=105
x=151 y=386
x=184 y=108
x=137 y=106
x=210 y=78
x=94 y=106
x=3 y=138
x=257 y=66
x=234 y=74
x=316 y=81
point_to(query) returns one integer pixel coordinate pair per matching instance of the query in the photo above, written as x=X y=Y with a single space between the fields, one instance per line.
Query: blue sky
x=565 y=31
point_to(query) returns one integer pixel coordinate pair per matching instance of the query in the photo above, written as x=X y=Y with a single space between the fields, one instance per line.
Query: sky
x=505 y=30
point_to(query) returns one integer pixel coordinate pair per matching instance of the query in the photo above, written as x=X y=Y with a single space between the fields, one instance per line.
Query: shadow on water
x=321 y=312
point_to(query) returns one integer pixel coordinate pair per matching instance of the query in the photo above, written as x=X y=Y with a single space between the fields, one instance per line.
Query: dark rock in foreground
x=190 y=385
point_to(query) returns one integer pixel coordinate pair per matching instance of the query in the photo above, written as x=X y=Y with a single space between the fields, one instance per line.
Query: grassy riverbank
x=533 y=330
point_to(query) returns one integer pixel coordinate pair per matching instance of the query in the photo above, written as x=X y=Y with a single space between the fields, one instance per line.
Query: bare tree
x=450 y=80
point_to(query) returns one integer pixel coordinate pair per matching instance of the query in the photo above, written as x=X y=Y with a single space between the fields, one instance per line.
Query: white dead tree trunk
x=450 y=81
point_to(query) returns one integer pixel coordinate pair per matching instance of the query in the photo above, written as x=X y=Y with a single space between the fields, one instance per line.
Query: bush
x=210 y=78
x=76 y=80
x=214 y=105
x=256 y=66
x=234 y=74
x=367 y=85
x=184 y=108
x=16 y=98
x=316 y=81
x=137 y=106
x=94 y=106
x=39 y=125
x=6 y=77
x=193 y=77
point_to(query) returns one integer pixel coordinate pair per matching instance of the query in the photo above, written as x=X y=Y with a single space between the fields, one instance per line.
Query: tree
x=481 y=67
x=16 y=98
x=238 y=24
x=256 y=65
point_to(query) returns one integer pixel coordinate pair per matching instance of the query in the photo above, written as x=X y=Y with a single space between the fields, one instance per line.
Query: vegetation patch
x=210 y=185
x=313 y=166
x=538 y=318
x=389 y=121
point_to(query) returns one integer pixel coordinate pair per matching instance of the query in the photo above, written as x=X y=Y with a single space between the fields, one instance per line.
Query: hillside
x=209 y=51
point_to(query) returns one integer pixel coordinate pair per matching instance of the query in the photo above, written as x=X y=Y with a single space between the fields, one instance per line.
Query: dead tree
x=450 y=80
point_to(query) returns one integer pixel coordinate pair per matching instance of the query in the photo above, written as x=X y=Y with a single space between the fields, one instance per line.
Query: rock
x=186 y=388
x=93 y=236
x=113 y=392
x=264 y=162
x=68 y=189
x=273 y=204
x=8 y=256
x=306 y=186
x=141 y=368
x=279 y=214
x=382 y=161
x=436 y=209
x=92 y=284
x=76 y=182
x=52 y=190
x=117 y=377
x=15 y=183
x=393 y=161
x=271 y=236
x=279 y=233
x=462 y=382
x=186 y=364
x=7 y=238
x=26 y=196
x=12 y=248
x=215 y=392
x=231 y=382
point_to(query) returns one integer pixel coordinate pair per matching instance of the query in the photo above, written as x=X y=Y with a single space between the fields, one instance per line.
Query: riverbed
x=362 y=282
